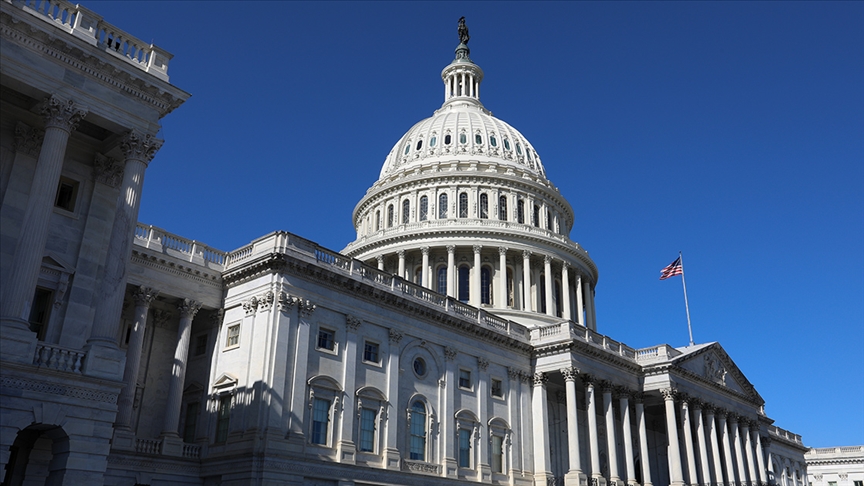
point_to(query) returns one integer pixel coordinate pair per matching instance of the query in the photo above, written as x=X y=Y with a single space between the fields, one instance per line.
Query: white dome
x=473 y=134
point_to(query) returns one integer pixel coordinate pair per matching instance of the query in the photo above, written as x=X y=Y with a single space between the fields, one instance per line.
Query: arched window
x=464 y=284
x=442 y=205
x=478 y=139
x=502 y=208
x=506 y=144
x=442 y=280
x=377 y=220
x=537 y=215
x=406 y=211
x=390 y=216
x=520 y=211
x=548 y=220
x=518 y=148
x=493 y=141
x=484 y=206
x=432 y=141
x=463 y=205
x=485 y=286
x=463 y=138
x=418 y=431
x=424 y=208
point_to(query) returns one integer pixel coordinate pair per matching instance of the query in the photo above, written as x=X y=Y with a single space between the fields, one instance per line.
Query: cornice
x=163 y=264
x=584 y=349
x=675 y=370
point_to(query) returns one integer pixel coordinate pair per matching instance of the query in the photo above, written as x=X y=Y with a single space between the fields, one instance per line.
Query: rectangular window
x=201 y=345
x=497 y=454
x=520 y=211
x=464 y=379
x=424 y=208
x=326 y=339
x=464 y=448
x=40 y=311
x=233 y=336
x=190 y=422
x=367 y=430
x=222 y=418
x=858 y=483
x=320 y=420
x=370 y=352
x=497 y=390
x=67 y=194
x=536 y=215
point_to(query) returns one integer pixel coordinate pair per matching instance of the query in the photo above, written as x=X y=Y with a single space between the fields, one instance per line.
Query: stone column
x=296 y=432
x=748 y=448
x=676 y=474
x=693 y=478
x=392 y=458
x=760 y=458
x=347 y=448
x=139 y=150
x=624 y=403
x=611 y=440
x=483 y=415
x=447 y=424
x=401 y=255
x=514 y=464
x=739 y=453
x=593 y=436
x=502 y=278
x=580 y=316
x=475 y=298
x=586 y=291
x=61 y=118
x=565 y=292
x=643 y=441
x=142 y=296
x=575 y=472
x=187 y=308
x=547 y=281
x=715 y=446
x=380 y=259
x=706 y=479
x=451 y=271
x=542 y=465
x=727 y=448
x=424 y=272
x=526 y=281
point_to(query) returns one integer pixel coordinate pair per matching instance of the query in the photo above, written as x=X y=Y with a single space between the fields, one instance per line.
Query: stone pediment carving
x=225 y=382
x=711 y=363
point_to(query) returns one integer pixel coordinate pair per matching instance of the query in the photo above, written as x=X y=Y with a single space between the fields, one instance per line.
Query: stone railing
x=777 y=432
x=570 y=331
x=148 y=446
x=662 y=352
x=159 y=240
x=421 y=467
x=191 y=451
x=89 y=26
x=58 y=358
x=836 y=450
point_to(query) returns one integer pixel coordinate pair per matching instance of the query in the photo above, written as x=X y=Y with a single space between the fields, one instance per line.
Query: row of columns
x=187 y=309
x=582 y=291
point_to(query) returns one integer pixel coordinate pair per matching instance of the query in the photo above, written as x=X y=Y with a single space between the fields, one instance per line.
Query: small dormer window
x=419 y=144
x=447 y=139
x=506 y=144
x=478 y=139
x=463 y=138
x=432 y=141
x=493 y=141
x=518 y=148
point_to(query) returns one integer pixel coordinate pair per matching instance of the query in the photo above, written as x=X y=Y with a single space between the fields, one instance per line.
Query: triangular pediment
x=52 y=260
x=711 y=363
x=226 y=380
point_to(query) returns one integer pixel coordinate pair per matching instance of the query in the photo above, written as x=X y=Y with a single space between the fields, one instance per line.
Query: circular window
x=419 y=367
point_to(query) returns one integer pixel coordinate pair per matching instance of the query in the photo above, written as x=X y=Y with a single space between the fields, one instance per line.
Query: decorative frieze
x=251 y=305
x=107 y=171
x=28 y=140
x=61 y=113
x=265 y=302
x=305 y=307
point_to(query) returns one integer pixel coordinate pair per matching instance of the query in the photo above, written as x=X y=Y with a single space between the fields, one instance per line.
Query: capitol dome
x=463 y=207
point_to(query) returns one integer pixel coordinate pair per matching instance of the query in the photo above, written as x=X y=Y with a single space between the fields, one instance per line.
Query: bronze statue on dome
x=463 y=32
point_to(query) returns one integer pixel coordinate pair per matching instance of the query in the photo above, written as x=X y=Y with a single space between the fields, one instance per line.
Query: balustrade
x=160 y=240
x=58 y=358
x=148 y=446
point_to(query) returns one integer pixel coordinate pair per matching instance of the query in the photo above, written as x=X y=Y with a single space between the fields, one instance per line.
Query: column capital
x=696 y=403
x=732 y=417
x=570 y=373
x=107 y=171
x=144 y=296
x=526 y=376
x=139 y=146
x=709 y=408
x=526 y=254
x=482 y=363
x=721 y=412
x=564 y=266
x=639 y=397
x=502 y=250
x=352 y=323
x=669 y=393
x=380 y=259
x=266 y=301
x=285 y=302
x=424 y=250
x=451 y=249
x=188 y=308
x=607 y=386
x=588 y=380
x=395 y=336
x=623 y=392
x=514 y=373
x=28 y=140
x=540 y=379
x=61 y=113
x=477 y=248
x=400 y=253
x=449 y=353
x=251 y=305
x=547 y=258
x=305 y=307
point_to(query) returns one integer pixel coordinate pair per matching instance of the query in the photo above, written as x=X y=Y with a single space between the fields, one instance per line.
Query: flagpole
x=686 y=304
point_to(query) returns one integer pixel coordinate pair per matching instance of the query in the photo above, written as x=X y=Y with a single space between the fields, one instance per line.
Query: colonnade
x=706 y=445
x=532 y=283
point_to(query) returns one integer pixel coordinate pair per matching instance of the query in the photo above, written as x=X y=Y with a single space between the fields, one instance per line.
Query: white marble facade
x=455 y=340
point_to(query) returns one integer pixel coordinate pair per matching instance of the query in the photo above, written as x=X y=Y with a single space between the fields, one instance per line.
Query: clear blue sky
x=732 y=131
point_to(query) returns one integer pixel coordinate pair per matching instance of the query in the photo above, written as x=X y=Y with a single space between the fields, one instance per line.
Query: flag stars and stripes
x=672 y=269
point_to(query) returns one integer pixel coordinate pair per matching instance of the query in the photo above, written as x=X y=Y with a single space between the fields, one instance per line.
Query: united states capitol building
x=455 y=340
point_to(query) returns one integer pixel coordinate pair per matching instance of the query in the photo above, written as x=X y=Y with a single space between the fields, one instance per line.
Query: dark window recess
x=40 y=311
x=201 y=345
x=67 y=193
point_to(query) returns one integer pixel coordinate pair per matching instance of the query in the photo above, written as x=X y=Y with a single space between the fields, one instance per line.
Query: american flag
x=672 y=269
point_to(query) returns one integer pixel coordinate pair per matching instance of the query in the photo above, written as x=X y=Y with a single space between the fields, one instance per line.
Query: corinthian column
x=61 y=119
x=676 y=474
x=547 y=282
x=727 y=449
x=474 y=296
x=593 y=436
x=142 y=296
x=623 y=401
x=526 y=280
x=707 y=480
x=565 y=292
x=424 y=272
x=739 y=454
x=451 y=271
x=187 y=308
x=643 y=441
x=401 y=254
x=748 y=448
x=542 y=465
x=502 y=278
x=575 y=472
x=611 y=441
x=715 y=446
x=688 y=442
x=139 y=150
x=580 y=316
x=760 y=457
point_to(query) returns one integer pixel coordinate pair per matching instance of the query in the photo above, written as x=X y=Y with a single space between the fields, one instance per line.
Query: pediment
x=51 y=260
x=226 y=380
x=712 y=363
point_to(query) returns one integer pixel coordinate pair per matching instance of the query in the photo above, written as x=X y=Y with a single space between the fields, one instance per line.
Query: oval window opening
x=507 y=144
x=462 y=138
x=446 y=139
x=432 y=141
x=407 y=148
x=492 y=141
x=518 y=148
x=419 y=144
x=419 y=366
x=478 y=139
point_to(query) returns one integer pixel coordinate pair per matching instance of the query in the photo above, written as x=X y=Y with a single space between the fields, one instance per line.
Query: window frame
x=463 y=205
x=442 y=205
x=363 y=434
x=520 y=211
x=500 y=387
x=314 y=420
x=229 y=336
x=464 y=447
x=465 y=377
x=502 y=208
x=486 y=291
x=223 y=417
x=414 y=428
x=366 y=344
x=334 y=345
x=389 y=215
x=484 y=206
x=406 y=211
x=423 y=214
x=75 y=189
